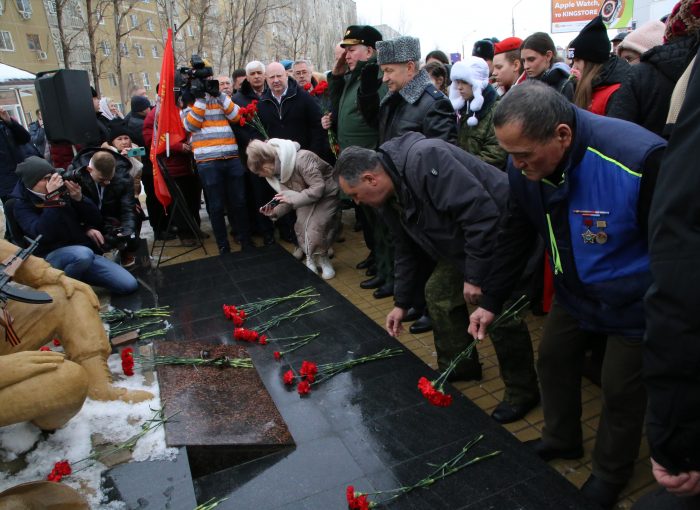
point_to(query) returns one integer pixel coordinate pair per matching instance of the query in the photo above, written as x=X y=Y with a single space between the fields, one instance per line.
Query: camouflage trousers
x=511 y=339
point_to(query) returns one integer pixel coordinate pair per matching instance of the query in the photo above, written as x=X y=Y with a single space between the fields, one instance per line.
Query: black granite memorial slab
x=368 y=427
x=223 y=416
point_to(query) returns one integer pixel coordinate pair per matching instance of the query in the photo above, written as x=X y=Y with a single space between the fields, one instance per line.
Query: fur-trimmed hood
x=412 y=91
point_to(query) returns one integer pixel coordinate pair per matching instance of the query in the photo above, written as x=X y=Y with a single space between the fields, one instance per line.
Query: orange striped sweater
x=208 y=121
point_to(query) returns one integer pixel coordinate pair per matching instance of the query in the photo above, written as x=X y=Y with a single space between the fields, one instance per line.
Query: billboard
x=573 y=15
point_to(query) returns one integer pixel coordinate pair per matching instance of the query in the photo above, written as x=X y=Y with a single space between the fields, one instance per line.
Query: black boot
x=604 y=493
x=372 y=283
x=422 y=325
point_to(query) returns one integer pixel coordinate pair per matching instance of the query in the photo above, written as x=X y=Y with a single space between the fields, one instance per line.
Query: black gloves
x=369 y=83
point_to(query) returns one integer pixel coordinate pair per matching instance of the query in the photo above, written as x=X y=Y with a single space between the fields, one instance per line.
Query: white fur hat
x=475 y=72
x=644 y=38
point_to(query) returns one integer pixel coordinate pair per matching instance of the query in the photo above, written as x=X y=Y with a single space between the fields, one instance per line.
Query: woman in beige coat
x=304 y=183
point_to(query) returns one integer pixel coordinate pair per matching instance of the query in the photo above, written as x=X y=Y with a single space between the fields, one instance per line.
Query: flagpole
x=167 y=145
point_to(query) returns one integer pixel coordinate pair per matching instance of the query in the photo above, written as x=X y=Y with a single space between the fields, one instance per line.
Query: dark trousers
x=191 y=190
x=561 y=354
x=156 y=213
x=511 y=340
x=224 y=182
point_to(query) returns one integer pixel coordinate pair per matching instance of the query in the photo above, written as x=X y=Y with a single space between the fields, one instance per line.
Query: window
x=190 y=32
x=33 y=42
x=51 y=6
x=154 y=51
x=123 y=49
x=6 y=43
x=2 y=7
x=134 y=20
x=131 y=80
x=149 y=25
x=146 y=81
x=112 y=80
x=24 y=6
x=101 y=19
x=106 y=49
x=84 y=56
x=139 y=50
x=158 y=77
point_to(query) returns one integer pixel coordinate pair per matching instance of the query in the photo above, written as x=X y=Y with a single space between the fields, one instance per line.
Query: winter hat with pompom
x=475 y=72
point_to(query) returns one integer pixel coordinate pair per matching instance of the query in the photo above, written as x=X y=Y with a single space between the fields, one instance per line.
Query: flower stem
x=328 y=370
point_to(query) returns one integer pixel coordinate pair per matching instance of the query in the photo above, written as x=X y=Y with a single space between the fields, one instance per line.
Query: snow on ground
x=116 y=421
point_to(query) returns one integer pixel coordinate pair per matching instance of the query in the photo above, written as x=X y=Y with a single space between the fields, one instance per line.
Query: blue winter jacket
x=589 y=221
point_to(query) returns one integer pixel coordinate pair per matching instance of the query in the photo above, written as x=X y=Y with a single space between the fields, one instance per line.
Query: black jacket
x=448 y=202
x=135 y=125
x=59 y=226
x=419 y=107
x=672 y=348
x=297 y=118
x=557 y=77
x=12 y=137
x=118 y=200
x=645 y=94
x=244 y=134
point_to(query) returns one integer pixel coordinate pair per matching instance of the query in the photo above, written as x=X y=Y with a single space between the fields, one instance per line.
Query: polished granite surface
x=368 y=427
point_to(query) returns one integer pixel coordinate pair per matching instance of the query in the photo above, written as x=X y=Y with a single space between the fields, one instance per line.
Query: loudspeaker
x=65 y=100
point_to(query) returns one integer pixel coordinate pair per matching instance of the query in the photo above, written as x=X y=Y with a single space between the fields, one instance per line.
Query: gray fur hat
x=399 y=50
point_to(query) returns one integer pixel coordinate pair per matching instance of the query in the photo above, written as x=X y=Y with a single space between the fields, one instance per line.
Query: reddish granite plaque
x=224 y=416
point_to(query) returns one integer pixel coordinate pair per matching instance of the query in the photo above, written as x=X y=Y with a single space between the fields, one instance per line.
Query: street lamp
x=512 y=17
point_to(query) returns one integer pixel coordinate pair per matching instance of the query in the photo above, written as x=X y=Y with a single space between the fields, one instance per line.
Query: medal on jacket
x=600 y=236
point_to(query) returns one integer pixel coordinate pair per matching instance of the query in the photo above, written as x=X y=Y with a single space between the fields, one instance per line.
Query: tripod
x=179 y=206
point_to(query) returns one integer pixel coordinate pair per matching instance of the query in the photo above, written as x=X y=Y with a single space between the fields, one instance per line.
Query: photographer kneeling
x=105 y=179
x=47 y=205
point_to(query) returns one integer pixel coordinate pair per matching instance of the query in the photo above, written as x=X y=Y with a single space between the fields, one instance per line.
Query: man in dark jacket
x=69 y=226
x=140 y=106
x=586 y=191
x=440 y=200
x=413 y=103
x=645 y=95
x=260 y=192
x=104 y=178
x=672 y=348
x=12 y=137
x=287 y=111
x=38 y=134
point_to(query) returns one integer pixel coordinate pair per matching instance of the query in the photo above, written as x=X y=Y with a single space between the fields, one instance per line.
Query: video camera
x=196 y=82
x=116 y=238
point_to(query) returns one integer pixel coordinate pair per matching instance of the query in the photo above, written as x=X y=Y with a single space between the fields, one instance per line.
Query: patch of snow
x=116 y=421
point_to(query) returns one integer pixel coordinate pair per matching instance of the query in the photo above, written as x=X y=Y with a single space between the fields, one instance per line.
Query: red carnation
x=433 y=395
x=127 y=356
x=262 y=340
x=56 y=342
x=307 y=86
x=60 y=469
x=44 y=348
x=308 y=369
x=277 y=355
x=356 y=500
x=288 y=377
x=303 y=387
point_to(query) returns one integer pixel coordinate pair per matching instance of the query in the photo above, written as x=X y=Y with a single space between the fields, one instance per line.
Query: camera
x=116 y=238
x=136 y=152
x=71 y=174
x=196 y=82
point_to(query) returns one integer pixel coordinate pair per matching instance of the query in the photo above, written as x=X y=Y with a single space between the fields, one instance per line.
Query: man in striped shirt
x=222 y=175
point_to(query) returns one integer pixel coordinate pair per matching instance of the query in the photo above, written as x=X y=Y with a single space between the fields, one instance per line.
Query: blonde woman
x=304 y=183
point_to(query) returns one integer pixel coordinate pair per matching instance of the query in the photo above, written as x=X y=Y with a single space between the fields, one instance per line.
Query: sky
x=451 y=25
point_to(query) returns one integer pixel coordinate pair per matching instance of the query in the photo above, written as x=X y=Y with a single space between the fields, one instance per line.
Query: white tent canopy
x=9 y=74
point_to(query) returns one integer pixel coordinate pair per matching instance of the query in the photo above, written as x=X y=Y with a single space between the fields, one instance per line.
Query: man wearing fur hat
x=413 y=102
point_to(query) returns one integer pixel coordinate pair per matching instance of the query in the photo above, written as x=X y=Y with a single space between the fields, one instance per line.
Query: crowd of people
x=563 y=176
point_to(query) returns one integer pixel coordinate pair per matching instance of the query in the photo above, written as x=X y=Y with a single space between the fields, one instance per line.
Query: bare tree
x=95 y=10
x=295 y=26
x=255 y=15
x=121 y=10
x=68 y=39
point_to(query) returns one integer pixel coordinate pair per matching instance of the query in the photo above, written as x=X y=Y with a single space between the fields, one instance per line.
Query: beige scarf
x=286 y=156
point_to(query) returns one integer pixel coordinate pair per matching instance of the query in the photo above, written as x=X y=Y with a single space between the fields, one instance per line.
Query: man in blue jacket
x=69 y=227
x=584 y=188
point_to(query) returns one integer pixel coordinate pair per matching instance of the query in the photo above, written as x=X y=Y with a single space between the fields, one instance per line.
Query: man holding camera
x=216 y=153
x=46 y=204
x=104 y=178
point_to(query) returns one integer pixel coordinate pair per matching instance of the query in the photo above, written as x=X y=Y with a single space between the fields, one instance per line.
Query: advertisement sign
x=573 y=15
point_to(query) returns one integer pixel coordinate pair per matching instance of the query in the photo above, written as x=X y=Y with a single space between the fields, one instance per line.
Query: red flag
x=167 y=126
